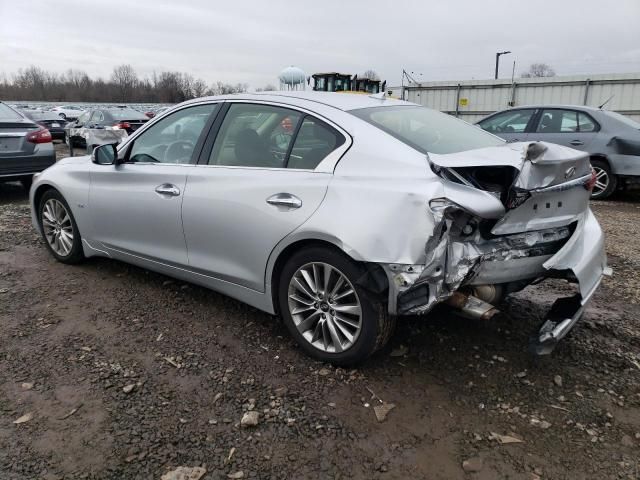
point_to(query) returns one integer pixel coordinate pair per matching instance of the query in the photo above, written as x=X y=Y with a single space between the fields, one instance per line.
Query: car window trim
x=326 y=165
x=292 y=142
x=533 y=120
x=197 y=149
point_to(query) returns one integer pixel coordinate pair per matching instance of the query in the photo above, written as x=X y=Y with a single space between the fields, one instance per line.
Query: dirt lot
x=126 y=374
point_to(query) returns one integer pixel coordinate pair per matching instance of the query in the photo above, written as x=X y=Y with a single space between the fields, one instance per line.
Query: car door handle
x=576 y=142
x=168 y=189
x=284 y=200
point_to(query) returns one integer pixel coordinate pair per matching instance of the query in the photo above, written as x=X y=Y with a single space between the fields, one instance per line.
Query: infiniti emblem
x=570 y=171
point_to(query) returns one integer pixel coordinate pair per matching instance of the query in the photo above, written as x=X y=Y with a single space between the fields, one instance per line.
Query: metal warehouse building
x=472 y=100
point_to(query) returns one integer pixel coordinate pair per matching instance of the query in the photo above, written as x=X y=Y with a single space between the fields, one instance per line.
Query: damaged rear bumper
x=505 y=264
x=585 y=257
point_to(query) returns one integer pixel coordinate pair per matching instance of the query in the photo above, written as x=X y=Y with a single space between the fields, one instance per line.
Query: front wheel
x=331 y=317
x=606 y=181
x=59 y=228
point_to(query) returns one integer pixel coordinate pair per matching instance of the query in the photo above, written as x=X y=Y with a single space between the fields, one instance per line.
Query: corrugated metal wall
x=472 y=100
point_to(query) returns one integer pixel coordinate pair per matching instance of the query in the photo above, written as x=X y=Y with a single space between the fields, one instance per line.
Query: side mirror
x=105 y=154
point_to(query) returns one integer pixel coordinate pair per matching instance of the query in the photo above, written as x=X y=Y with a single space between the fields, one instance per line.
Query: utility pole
x=498 y=61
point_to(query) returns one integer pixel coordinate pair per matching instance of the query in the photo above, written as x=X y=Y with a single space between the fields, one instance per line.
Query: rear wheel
x=59 y=228
x=331 y=317
x=606 y=181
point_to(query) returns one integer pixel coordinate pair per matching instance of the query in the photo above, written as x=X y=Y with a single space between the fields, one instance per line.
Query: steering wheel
x=179 y=152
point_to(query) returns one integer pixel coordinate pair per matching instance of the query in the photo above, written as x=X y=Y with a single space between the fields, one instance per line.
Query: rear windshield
x=127 y=114
x=623 y=119
x=427 y=130
x=8 y=113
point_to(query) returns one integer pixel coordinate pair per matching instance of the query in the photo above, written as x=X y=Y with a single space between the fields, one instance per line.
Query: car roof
x=341 y=101
x=558 y=105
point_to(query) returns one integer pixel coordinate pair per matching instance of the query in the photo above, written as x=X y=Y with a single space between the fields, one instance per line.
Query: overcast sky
x=252 y=41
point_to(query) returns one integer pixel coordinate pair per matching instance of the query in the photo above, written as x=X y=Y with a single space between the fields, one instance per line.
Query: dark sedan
x=25 y=147
x=109 y=118
x=49 y=120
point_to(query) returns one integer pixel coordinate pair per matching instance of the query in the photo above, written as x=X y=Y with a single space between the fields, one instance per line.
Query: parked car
x=25 y=147
x=68 y=112
x=338 y=212
x=611 y=140
x=48 y=120
x=124 y=118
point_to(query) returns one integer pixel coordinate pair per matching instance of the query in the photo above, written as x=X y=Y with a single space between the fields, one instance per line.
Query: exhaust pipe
x=471 y=307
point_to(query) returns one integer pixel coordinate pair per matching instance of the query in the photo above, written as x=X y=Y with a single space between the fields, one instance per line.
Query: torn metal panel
x=625 y=146
x=101 y=136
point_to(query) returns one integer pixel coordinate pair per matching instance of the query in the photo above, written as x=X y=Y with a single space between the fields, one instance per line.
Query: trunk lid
x=541 y=185
x=13 y=138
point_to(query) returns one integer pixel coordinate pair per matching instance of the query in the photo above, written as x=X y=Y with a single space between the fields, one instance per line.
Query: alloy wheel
x=602 y=181
x=57 y=227
x=325 y=307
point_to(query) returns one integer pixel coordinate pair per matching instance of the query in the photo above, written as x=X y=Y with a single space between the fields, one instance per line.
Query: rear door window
x=253 y=135
x=586 y=123
x=315 y=140
x=558 y=121
x=270 y=136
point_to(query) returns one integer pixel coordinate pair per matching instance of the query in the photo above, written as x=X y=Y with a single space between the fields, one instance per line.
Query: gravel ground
x=116 y=372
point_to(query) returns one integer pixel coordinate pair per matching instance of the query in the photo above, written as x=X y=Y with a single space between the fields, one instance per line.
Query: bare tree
x=125 y=79
x=370 y=74
x=199 y=88
x=267 y=88
x=221 y=88
x=36 y=84
x=539 y=70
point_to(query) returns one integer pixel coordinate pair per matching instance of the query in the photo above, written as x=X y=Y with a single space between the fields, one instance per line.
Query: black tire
x=26 y=182
x=376 y=324
x=75 y=255
x=612 y=183
x=62 y=116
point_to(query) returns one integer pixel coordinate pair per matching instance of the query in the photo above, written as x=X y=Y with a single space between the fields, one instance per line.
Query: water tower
x=292 y=78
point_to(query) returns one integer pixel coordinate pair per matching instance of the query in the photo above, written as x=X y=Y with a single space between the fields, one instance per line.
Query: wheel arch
x=372 y=273
x=600 y=156
x=39 y=192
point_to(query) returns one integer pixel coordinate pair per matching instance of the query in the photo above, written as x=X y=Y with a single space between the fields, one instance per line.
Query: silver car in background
x=611 y=140
x=337 y=211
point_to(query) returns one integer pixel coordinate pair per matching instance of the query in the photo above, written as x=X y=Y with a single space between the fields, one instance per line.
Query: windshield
x=623 y=119
x=8 y=113
x=427 y=130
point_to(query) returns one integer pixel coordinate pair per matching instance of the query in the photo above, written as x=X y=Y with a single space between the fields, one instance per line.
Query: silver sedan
x=338 y=212
x=611 y=140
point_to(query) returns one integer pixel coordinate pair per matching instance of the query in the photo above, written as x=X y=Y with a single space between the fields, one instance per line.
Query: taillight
x=122 y=125
x=42 y=135
x=589 y=184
